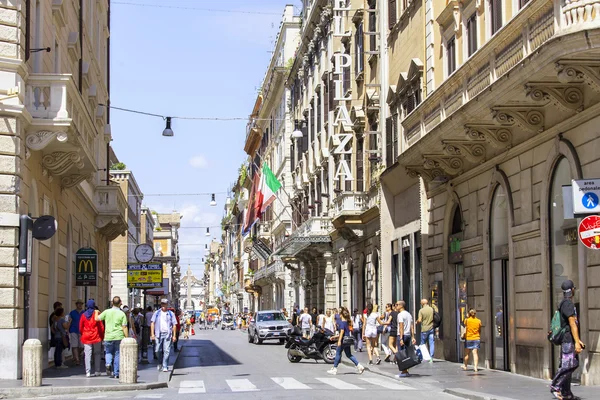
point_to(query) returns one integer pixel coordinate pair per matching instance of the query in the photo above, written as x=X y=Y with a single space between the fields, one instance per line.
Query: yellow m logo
x=85 y=264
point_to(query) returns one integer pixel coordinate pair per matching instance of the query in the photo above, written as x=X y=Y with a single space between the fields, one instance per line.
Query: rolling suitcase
x=407 y=358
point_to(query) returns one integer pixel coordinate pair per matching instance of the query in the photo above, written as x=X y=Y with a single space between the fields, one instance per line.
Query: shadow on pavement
x=203 y=353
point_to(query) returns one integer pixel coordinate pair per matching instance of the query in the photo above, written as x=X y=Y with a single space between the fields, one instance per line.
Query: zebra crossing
x=288 y=383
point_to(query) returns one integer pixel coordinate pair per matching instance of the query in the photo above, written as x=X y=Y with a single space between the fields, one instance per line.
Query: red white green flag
x=268 y=187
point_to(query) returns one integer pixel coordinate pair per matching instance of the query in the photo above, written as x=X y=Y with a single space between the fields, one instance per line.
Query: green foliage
x=118 y=166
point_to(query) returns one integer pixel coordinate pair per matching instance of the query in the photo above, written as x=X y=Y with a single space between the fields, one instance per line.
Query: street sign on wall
x=586 y=196
x=143 y=276
x=86 y=267
x=589 y=232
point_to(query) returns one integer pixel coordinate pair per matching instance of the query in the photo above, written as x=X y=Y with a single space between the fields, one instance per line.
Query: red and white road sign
x=589 y=232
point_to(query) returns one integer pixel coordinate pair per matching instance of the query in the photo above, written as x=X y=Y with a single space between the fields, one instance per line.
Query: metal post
x=25 y=308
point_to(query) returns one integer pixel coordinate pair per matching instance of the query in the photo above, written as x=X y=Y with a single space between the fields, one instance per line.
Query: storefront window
x=563 y=236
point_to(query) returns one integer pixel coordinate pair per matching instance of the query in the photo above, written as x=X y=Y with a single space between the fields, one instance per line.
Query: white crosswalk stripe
x=192 y=387
x=386 y=383
x=240 y=385
x=149 y=396
x=339 y=384
x=290 y=383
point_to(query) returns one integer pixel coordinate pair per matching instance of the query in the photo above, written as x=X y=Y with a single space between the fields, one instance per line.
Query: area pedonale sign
x=342 y=123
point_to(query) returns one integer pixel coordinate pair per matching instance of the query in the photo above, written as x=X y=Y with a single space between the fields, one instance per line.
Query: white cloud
x=199 y=162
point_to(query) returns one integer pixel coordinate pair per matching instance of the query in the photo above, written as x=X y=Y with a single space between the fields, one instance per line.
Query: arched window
x=563 y=235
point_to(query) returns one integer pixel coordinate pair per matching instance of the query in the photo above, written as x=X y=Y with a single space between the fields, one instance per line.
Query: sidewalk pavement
x=73 y=380
x=482 y=385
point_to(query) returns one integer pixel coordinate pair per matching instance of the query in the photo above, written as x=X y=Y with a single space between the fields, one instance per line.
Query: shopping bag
x=424 y=352
x=193 y=332
x=407 y=358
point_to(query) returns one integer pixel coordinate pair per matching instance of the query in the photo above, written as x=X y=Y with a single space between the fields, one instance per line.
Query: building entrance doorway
x=461 y=308
x=500 y=317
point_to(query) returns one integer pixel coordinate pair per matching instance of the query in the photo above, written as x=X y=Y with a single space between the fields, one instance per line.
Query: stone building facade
x=54 y=140
x=506 y=117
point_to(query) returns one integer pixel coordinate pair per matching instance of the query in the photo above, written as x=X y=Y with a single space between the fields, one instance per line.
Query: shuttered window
x=326 y=96
x=318 y=113
x=391 y=13
x=472 y=34
x=389 y=143
x=347 y=71
x=359 y=50
x=451 y=55
x=496 y=15
x=360 y=171
x=372 y=26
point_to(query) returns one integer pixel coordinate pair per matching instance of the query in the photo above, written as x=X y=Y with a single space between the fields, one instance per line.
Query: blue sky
x=190 y=63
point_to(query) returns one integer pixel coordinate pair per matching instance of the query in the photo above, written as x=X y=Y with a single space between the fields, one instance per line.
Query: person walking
x=130 y=323
x=344 y=342
x=92 y=334
x=357 y=323
x=472 y=339
x=329 y=324
x=163 y=329
x=115 y=330
x=321 y=319
x=74 y=333
x=427 y=329
x=571 y=344
x=305 y=322
x=406 y=331
x=390 y=324
x=61 y=338
x=370 y=334
x=384 y=330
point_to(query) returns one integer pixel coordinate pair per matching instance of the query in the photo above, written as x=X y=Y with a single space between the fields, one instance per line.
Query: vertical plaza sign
x=342 y=123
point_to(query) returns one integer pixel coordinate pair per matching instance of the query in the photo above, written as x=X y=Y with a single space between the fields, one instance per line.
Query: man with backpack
x=426 y=319
x=164 y=331
x=565 y=332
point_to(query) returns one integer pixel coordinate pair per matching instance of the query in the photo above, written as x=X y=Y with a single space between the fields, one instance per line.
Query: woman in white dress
x=370 y=334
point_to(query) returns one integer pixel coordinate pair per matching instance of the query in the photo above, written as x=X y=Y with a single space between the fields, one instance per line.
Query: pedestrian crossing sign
x=586 y=196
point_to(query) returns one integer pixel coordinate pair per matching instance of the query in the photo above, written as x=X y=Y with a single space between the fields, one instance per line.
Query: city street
x=222 y=364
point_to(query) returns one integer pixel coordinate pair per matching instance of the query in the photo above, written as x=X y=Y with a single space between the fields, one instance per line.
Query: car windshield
x=263 y=317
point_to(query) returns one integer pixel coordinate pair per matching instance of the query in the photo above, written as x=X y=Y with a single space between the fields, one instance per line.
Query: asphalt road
x=217 y=364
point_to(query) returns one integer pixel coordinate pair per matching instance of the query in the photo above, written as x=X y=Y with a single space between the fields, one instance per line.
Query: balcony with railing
x=314 y=231
x=62 y=127
x=275 y=270
x=112 y=211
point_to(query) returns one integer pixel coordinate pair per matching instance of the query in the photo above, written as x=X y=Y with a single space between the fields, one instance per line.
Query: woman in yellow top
x=472 y=339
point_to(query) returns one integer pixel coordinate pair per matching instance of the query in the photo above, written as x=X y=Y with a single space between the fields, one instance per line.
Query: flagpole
x=282 y=188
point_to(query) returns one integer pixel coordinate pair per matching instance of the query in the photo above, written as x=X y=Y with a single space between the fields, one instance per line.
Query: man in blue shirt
x=163 y=331
x=74 y=334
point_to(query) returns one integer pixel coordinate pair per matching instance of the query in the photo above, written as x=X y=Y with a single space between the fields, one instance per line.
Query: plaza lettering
x=342 y=121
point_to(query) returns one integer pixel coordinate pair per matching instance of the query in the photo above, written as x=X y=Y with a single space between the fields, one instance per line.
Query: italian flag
x=268 y=186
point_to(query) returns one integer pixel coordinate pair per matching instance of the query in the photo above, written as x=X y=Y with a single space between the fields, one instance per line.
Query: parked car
x=268 y=325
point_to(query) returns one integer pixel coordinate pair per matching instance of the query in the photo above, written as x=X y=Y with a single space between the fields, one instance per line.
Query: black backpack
x=437 y=319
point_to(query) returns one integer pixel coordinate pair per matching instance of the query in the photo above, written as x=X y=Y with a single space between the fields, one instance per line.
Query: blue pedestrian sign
x=586 y=197
x=590 y=200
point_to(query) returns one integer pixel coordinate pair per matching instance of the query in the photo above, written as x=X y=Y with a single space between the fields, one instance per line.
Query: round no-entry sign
x=589 y=232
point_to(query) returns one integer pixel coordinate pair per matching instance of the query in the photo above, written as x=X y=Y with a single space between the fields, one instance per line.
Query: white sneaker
x=332 y=371
x=360 y=369
x=88 y=375
x=165 y=370
x=158 y=367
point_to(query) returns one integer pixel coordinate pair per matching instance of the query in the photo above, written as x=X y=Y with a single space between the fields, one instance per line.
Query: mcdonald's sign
x=86 y=267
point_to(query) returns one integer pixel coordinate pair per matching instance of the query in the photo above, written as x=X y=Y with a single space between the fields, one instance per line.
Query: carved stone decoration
x=525 y=117
x=587 y=71
x=472 y=151
x=39 y=140
x=60 y=162
x=498 y=137
x=428 y=175
x=452 y=165
x=70 y=181
x=565 y=97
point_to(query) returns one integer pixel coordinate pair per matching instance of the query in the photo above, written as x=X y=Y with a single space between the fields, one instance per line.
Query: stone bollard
x=32 y=363
x=128 y=364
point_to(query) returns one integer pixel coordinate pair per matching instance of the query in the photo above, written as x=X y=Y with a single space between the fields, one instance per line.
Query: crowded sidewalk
x=73 y=380
x=484 y=384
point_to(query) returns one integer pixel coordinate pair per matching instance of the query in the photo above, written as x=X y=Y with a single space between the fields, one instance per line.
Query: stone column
x=128 y=364
x=330 y=289
x=32 y=363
